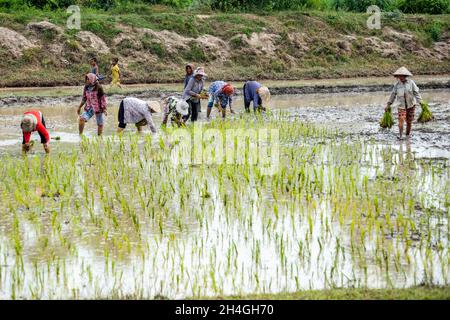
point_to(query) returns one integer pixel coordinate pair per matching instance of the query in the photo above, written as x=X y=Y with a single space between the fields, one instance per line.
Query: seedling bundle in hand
x=387 y=120
x=426 y=114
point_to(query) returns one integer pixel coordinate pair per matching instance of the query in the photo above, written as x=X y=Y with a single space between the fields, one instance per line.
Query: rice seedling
x=425 y=114
x=115 y=215
x=387 y=121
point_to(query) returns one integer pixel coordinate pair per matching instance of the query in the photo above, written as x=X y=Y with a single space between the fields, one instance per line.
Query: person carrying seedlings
x=220 y=95
x=189 y=74
x=175 y=107
x=138 y=112
x=115 y=73
x=256 y=92
x=405 y=95
x=192 y=93
x=94 y=101
x=32 y=121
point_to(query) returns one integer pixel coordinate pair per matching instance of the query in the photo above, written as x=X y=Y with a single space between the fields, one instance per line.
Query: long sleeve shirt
x=92 y=99
x=39 y=127
x=193 y=88
x=251 y=94
x=186 y=79
x=405 y=95
x=136 y=110
x=215 y=91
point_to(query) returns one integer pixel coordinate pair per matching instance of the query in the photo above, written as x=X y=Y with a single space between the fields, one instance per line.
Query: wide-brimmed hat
x=403 y=72
x=182 y=107
x=200 y=71
x=29 y=123
x=154 y=106
x=264 y=93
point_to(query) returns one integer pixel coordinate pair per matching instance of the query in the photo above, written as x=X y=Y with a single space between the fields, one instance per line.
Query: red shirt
x=39 y=127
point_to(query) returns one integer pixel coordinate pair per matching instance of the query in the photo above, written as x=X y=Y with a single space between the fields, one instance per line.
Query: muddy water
x=354 y=113
x=155 y=272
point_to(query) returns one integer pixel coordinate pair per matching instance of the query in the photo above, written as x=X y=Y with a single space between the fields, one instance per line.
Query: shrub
x=425 y=6
x=360 y=5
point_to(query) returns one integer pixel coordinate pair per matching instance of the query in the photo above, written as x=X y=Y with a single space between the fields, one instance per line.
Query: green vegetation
x=416 y=293
x=309 y=44
x=406 y=6
x=116 y=217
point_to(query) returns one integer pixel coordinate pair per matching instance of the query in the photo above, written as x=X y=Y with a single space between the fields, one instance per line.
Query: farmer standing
x=405 y=95
x=94 y=100
x=175 y=107
x=189 y=73
x=192 y=93
x=32 y=121
x=138 y=112
x=256 y=92
x=220 y=95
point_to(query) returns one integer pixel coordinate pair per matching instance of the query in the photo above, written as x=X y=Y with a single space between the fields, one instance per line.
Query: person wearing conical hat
x=138 y=112
x=32 y=121
x=405 y=96
x=176 y=107
x=256 y=92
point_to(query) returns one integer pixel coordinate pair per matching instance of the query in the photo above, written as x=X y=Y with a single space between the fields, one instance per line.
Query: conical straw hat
x=264 y=93
x=154 y=105
x=403 y=72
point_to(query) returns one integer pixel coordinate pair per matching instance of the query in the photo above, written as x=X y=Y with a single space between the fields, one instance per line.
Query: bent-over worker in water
x=405 y=96
x=138 y=112
x=94 y=101
x=32 y=121
x=256 y=92
x=175 y=107
x=221 y=96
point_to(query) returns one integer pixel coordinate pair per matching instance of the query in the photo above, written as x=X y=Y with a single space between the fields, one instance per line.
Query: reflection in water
x=115 y=219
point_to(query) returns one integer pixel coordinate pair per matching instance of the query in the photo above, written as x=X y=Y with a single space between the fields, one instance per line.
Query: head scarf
x=228 y=89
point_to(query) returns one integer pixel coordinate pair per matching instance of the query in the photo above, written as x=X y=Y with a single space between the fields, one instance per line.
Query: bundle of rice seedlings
x=426 y=114
x=387 y=120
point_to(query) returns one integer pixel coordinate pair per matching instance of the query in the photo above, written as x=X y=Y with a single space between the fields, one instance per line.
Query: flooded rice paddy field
x=349 y=206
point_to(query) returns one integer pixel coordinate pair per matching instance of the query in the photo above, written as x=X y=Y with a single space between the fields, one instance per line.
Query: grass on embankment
x=416 y=293
x=323 y=59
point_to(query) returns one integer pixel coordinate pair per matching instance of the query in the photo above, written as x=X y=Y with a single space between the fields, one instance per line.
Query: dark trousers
x=121 y=116
x=194 y=107
x=247 y=102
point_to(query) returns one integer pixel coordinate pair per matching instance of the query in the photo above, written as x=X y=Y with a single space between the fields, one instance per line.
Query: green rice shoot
x=425 y=114
x=387 y=121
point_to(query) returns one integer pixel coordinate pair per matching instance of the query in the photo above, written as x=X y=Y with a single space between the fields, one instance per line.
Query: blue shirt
x=215 y=90
x=186 y=80
x=250 y=93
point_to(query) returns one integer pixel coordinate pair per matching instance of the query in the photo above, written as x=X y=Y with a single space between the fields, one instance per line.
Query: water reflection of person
x=405 y=157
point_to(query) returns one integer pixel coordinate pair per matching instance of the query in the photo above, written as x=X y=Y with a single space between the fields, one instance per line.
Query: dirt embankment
x=42 y=53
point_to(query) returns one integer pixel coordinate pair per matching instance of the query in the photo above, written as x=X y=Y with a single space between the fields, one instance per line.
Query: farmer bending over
x=220 y=95
x=138 y=112
x=33 y=120
x=406 y=96
x=256 y=92
x=177 y=107
x=94 y=101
